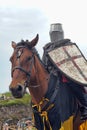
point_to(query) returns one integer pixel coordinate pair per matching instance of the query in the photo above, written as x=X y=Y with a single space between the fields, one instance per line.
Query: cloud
x=21 y=20
x=17 y=24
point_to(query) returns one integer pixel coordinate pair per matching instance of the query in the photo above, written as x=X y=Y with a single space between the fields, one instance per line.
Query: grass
x=13 y=101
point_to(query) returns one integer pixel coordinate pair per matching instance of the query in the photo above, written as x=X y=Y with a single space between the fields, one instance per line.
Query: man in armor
x=57 y=39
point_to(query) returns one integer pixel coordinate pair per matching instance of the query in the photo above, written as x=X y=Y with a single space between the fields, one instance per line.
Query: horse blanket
x=64 y=106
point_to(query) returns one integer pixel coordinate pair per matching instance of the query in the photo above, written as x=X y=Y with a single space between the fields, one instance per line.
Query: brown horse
x=47 y=98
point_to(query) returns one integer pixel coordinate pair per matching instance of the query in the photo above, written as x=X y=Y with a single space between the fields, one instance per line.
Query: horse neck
x=39 y=83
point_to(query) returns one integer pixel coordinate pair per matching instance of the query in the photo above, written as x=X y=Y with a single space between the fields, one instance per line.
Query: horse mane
x=24 y=44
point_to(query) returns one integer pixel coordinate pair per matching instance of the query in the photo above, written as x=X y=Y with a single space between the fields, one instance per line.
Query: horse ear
x=34 y=41
x=13 y=44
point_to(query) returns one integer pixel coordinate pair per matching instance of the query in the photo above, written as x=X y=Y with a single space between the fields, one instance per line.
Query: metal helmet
x=56 y=32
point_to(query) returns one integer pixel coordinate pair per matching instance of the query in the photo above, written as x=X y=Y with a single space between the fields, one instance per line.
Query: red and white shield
x=71 y=62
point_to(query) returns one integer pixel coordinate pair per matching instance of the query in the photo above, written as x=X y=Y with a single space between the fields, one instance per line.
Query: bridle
x=28 y=73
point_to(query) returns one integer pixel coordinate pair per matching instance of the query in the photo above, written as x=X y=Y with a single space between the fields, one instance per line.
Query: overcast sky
x=23 y=19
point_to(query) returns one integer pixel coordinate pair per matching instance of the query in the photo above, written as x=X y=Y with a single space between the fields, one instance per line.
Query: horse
x=53 y=104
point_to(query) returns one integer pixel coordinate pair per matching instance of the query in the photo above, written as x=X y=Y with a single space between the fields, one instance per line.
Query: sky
x=23 y=19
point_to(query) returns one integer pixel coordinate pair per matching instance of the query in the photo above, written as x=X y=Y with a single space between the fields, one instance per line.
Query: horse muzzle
x=18 y=91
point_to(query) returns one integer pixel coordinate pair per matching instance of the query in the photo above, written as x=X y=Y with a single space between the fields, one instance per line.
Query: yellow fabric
x=83 y=126
x=39 y=104
x=68 y=124
x=44 y=114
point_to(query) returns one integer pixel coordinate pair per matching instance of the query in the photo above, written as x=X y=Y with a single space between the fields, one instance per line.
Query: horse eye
x=29 y=58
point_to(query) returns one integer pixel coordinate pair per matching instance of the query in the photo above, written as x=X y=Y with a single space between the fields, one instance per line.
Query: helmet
x=56 y=32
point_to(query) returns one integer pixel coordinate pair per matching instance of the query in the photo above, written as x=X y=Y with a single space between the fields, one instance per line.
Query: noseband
x=28 y=73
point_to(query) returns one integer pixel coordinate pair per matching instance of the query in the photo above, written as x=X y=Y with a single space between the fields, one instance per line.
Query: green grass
x=7 y=94
x=8 y=102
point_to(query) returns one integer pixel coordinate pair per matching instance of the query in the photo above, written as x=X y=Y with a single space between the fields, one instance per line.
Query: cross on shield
x=70 y=60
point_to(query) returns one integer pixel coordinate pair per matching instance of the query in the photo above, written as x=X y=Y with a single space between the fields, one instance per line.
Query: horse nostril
x=19 y=88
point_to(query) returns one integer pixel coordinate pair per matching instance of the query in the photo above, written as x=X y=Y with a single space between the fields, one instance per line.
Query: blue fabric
x=79 y=92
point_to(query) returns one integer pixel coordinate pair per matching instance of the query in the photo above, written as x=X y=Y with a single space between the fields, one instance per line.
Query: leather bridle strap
x=22 y=69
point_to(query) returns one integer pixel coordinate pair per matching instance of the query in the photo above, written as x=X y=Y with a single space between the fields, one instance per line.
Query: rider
x=57 y=37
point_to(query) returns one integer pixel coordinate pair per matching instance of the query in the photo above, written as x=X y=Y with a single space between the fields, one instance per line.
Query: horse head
x=22 y=63
x=27 y=70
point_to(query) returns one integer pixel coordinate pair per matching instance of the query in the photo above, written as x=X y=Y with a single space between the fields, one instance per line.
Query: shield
x=70 y=60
